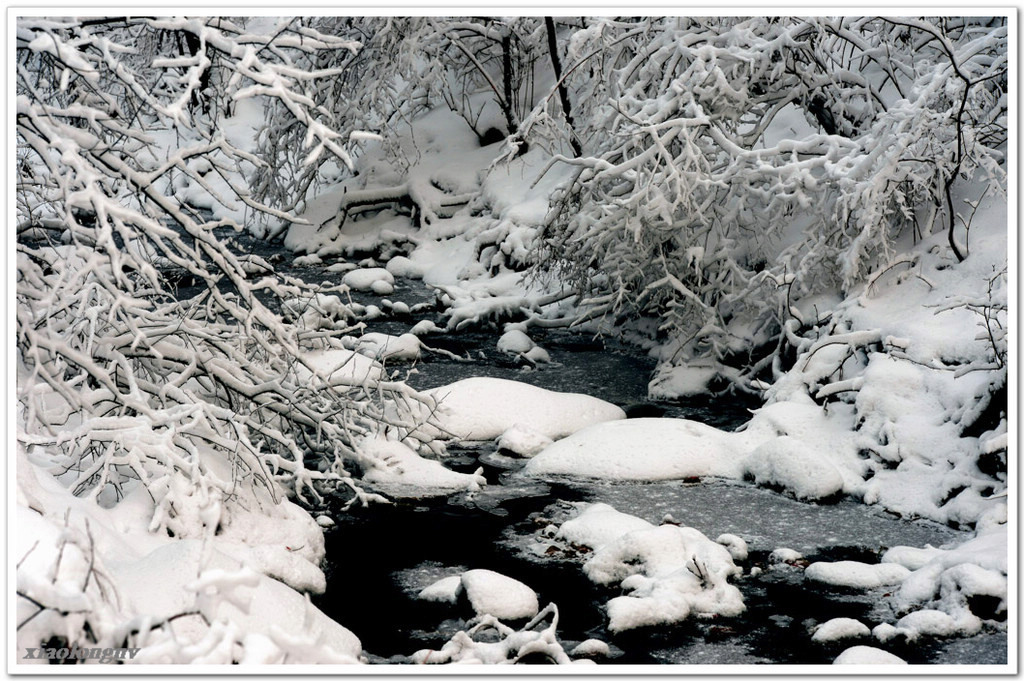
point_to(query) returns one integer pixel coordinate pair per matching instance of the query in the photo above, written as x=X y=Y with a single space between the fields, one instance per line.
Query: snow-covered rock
x=339 y=367
x=796 y=467
x=515 y=342
x=483 y=408
x=492 y=593
x=857 y=575
x=592 y=647
x=444 y=590
x=364 y=279
x=867 y=655
x=385 y=346
x=523 y=440
x=668 y=573
x=839 y=628
x=736 y=546
x=402 y=472
x=642 y=449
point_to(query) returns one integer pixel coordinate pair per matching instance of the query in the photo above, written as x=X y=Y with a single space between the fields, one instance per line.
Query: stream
x=379 y=558
x=416 y=542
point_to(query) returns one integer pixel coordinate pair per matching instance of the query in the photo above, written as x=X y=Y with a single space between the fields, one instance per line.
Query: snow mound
x=483 y=408
x=444 y=590
x=641 y=449
x=224 y=592
x=853 y=574
x=515 y=342
x=592 y=647
x=523 y=441
x=867 y=655
x=403 y=473
x=599 y=524
x=339 y=367
x=667 y=572
x=735 y=545
x=492 y=593
x=794 y=466
x=784 y=555
x=385 y=346
x=401 y=266
x=363 y=279
x=840 y=628
x=930 y=622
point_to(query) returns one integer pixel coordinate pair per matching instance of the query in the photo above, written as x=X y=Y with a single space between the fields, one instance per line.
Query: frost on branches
x=734 y=166
x=159 y=388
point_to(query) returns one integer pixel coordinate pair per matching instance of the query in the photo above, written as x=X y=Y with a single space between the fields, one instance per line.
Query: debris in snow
x=530 y=644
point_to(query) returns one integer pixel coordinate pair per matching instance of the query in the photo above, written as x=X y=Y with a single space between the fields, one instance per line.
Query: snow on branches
x=727 y=158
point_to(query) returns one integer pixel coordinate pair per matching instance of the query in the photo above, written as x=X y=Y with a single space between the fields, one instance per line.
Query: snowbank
x=642 y=449
x=484 y=408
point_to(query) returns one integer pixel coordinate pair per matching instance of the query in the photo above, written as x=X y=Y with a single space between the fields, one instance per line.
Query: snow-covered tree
x=154 y=360
x=733 y=166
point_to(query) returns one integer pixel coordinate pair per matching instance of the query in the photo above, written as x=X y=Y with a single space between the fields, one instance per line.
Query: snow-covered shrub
x=734 y=166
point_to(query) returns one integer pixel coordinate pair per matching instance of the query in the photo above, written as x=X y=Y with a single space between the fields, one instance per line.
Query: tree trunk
x=563 y=93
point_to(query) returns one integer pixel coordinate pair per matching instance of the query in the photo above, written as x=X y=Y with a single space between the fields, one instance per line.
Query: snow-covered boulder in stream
x=483 y=408
x=488 y=592
x=642 y=449
x=401 y=472
x=794 y=466
x=667 y=572
x=376 y=279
